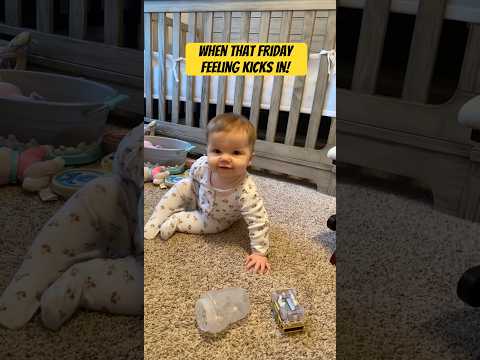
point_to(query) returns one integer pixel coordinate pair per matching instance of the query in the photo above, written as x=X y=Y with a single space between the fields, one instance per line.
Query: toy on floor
x=288 y=313
x=29 y=167
x=166 y=175
x=156 y=174
x=69 y=181
x=217 y=309
x=173 y=179
x=468 y=288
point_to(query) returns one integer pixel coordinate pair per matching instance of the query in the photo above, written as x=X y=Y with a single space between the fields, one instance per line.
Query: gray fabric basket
x=75 y=110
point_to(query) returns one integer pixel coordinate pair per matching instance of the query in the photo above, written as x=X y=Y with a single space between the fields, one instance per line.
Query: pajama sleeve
x=255 y=216
x=199 y=170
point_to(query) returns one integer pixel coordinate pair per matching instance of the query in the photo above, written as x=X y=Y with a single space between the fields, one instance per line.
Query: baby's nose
x=225 y=158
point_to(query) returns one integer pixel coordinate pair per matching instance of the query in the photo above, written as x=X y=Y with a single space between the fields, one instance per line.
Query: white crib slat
x=148 y=66
x=161 y=41
x=222 y=80
x=240 y=80
x=113 y=20
x=471 y=62
x=258 y=81
x=332 y=135
x=278 y=83
x=423 y=51
x=13 y=12
x=190 y=79
x=45 y=16
x=299 y=84
x=370 y=45
x=77 y=19
x=176 y=55
x=321 y=84
x=207 y=27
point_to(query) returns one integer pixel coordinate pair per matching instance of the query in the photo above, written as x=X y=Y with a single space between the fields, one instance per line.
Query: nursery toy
x=173 y=179
x=155 y=174
x=15 y=52
x=217 y=309
x=67 y=182
x=288 y=313
x=149 y=129
x=147 y=144
x=80 y=155
x=107 y=162
x=29 y=167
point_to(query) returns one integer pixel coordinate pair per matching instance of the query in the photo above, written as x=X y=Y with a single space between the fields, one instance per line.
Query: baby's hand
x=258 y=262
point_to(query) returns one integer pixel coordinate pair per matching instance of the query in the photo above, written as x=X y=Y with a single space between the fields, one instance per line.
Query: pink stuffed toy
x=28 y=167
x=155 y=175
x=12 y=91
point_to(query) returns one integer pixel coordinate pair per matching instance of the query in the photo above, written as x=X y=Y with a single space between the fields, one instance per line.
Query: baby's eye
x=216 y=151
x=237 y=152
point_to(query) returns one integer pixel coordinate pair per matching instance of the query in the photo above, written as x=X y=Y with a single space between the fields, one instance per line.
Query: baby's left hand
x=258 y=262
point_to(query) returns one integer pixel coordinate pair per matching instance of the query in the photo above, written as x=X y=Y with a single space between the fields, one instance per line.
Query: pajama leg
x=93 y=223
x=109 y=285
x=180 y=196
x=191 y=222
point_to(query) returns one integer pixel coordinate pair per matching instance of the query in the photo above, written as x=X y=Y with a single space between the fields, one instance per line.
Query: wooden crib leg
x=332 y=186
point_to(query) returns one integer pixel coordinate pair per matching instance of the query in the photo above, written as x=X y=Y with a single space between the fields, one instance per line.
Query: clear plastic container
x=217 y=309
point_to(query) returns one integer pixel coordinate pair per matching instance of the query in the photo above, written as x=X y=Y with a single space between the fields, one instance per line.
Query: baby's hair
x=228 y=122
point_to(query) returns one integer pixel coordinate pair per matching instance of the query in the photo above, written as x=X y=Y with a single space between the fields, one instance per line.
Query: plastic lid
x=206 y=316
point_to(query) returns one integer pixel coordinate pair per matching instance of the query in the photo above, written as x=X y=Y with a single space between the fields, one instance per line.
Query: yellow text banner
x=259 y=59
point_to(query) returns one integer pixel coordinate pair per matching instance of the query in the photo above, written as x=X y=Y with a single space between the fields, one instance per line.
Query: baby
x=220 y=191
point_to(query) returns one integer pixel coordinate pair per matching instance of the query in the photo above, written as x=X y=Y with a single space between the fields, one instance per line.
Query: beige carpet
x=88 y=335
x=399 y=262
x=178 y=271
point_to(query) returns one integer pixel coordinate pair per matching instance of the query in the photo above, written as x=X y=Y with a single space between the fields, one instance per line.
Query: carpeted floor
x=398 y=264
x=88 y=335
x=179 y=270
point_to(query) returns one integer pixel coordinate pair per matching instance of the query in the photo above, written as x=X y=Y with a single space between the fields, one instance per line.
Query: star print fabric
x=88 y=254
x=194 y=206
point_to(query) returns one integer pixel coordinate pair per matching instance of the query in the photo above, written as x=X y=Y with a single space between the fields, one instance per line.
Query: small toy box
x=288 y=313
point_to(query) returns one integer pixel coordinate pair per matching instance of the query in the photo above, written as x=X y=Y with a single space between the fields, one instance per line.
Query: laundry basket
x=171 y=152
x=72 y=110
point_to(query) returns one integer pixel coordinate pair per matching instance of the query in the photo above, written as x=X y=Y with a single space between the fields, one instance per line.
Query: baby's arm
x=255 y=216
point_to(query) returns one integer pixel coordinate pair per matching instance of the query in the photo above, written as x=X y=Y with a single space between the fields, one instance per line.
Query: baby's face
x=229 y=154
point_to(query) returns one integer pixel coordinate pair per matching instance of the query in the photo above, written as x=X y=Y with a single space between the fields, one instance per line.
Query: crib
x=410 y=128
x=294 y=116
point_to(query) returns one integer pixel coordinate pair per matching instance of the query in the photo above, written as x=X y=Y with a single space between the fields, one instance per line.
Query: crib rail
x=423 y=50
x=172 y=24
x=77 y=14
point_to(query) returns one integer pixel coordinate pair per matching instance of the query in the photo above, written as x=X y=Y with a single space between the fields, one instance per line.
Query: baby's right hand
x=258 y=263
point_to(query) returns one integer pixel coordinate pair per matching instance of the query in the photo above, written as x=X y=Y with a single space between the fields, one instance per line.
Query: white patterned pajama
x=194 y=206
x=89 y=254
